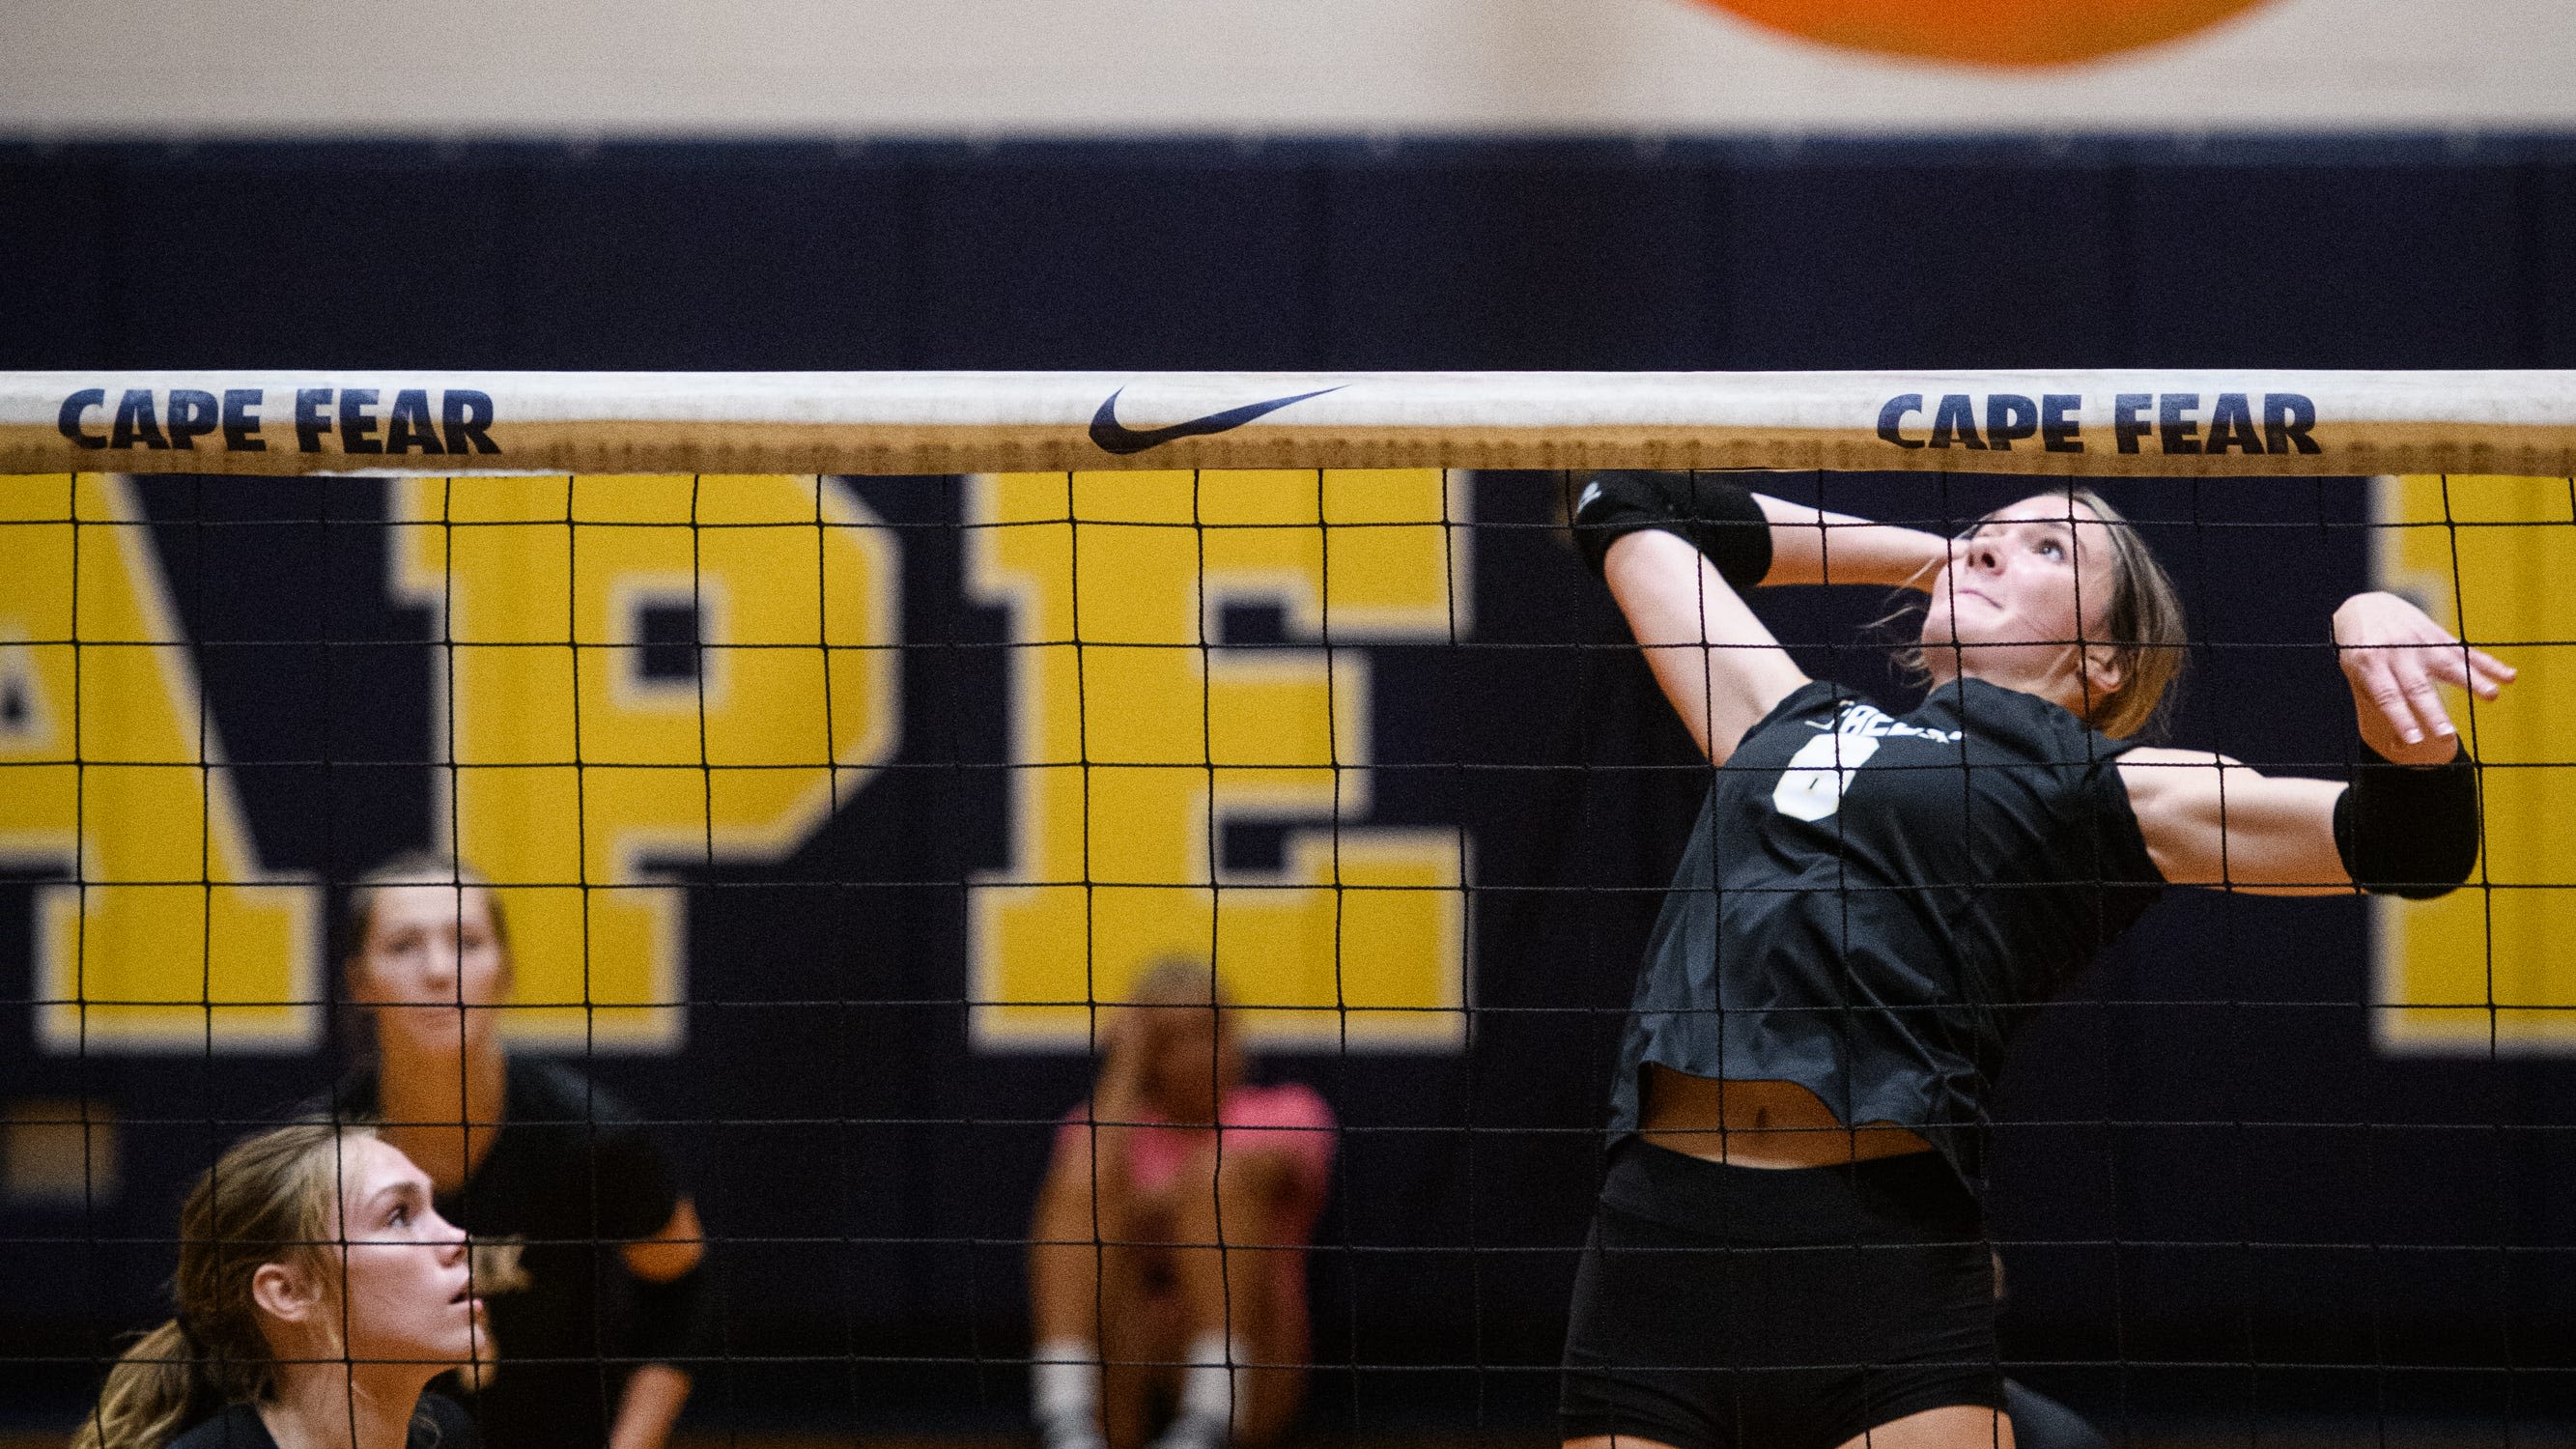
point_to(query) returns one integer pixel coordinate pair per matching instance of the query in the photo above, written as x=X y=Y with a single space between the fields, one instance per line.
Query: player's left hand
x=2394 y=655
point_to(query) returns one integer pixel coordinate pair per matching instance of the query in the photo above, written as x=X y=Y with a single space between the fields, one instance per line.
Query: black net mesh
x=831 y=821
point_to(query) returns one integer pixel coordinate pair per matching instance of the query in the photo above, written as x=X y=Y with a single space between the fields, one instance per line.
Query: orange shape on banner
x=1989 y=32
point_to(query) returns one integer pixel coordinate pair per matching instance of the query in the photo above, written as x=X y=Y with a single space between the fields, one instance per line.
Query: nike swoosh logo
x=1113 y=437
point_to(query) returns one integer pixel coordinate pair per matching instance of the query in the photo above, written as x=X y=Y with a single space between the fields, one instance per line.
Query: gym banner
x=629 y=682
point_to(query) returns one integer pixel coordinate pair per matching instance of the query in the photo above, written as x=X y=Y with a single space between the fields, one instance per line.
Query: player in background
x=593 y=1320
x=1167 y=1253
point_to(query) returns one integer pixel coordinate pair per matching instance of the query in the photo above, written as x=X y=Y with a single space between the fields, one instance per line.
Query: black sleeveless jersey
x=1866 y=900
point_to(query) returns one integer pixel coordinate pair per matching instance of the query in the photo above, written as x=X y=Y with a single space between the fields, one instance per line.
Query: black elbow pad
x=2409 y=831
x=1723 y=520
x=670 y=1318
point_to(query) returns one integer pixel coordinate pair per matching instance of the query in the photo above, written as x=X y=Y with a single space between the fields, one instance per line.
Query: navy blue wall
x=2215 y=1191
x=2378 y=252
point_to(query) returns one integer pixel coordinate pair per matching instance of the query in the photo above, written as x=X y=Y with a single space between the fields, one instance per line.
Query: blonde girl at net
x=318 y=1292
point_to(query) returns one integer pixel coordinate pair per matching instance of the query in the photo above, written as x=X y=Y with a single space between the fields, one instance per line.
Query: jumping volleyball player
x=1787 y=1252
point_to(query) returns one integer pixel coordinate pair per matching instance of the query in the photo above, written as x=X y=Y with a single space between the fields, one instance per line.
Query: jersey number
x=1812 y=786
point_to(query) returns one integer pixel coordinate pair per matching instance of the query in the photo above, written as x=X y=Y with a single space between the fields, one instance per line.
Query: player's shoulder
x=1289 y=1121
x=442 y=1423
x=1814 y=703
x=1815 y=697
x=569 y=1133
x=542 y=1090
x=1281 y=1104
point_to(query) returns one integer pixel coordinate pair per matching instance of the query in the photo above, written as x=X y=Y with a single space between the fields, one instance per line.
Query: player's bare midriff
x=1760 y=1124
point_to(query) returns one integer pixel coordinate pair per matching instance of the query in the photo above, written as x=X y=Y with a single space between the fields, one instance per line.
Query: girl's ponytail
x=157 y=1389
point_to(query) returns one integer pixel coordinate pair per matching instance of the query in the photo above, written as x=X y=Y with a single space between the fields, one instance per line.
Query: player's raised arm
x=1676 y=548
x=1815 y=546
x=2407 y=824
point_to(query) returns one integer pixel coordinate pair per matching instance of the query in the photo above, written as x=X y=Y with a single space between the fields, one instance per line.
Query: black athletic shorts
x=1721 y=1307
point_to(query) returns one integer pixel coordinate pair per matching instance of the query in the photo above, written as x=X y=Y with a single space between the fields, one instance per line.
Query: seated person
x=1167 y=1255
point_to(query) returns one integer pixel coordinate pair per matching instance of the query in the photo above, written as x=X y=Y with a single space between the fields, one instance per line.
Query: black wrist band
x=2409 y=830
x=1720 y=518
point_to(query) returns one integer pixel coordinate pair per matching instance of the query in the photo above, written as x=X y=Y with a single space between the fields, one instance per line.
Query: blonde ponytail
x=155 y=1390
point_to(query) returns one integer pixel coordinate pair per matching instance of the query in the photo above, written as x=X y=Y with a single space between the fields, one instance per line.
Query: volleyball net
x=845 y=749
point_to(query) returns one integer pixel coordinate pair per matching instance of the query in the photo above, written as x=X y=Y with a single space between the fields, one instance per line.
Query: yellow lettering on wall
x=2484 y=969
x=166 y=933
x=576 y=770
x=1135 y=740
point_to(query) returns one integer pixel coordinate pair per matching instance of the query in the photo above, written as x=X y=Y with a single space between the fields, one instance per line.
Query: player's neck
x=2026 y=671
x=443 y=1109
x=470 y=1073
x=337 y=1405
